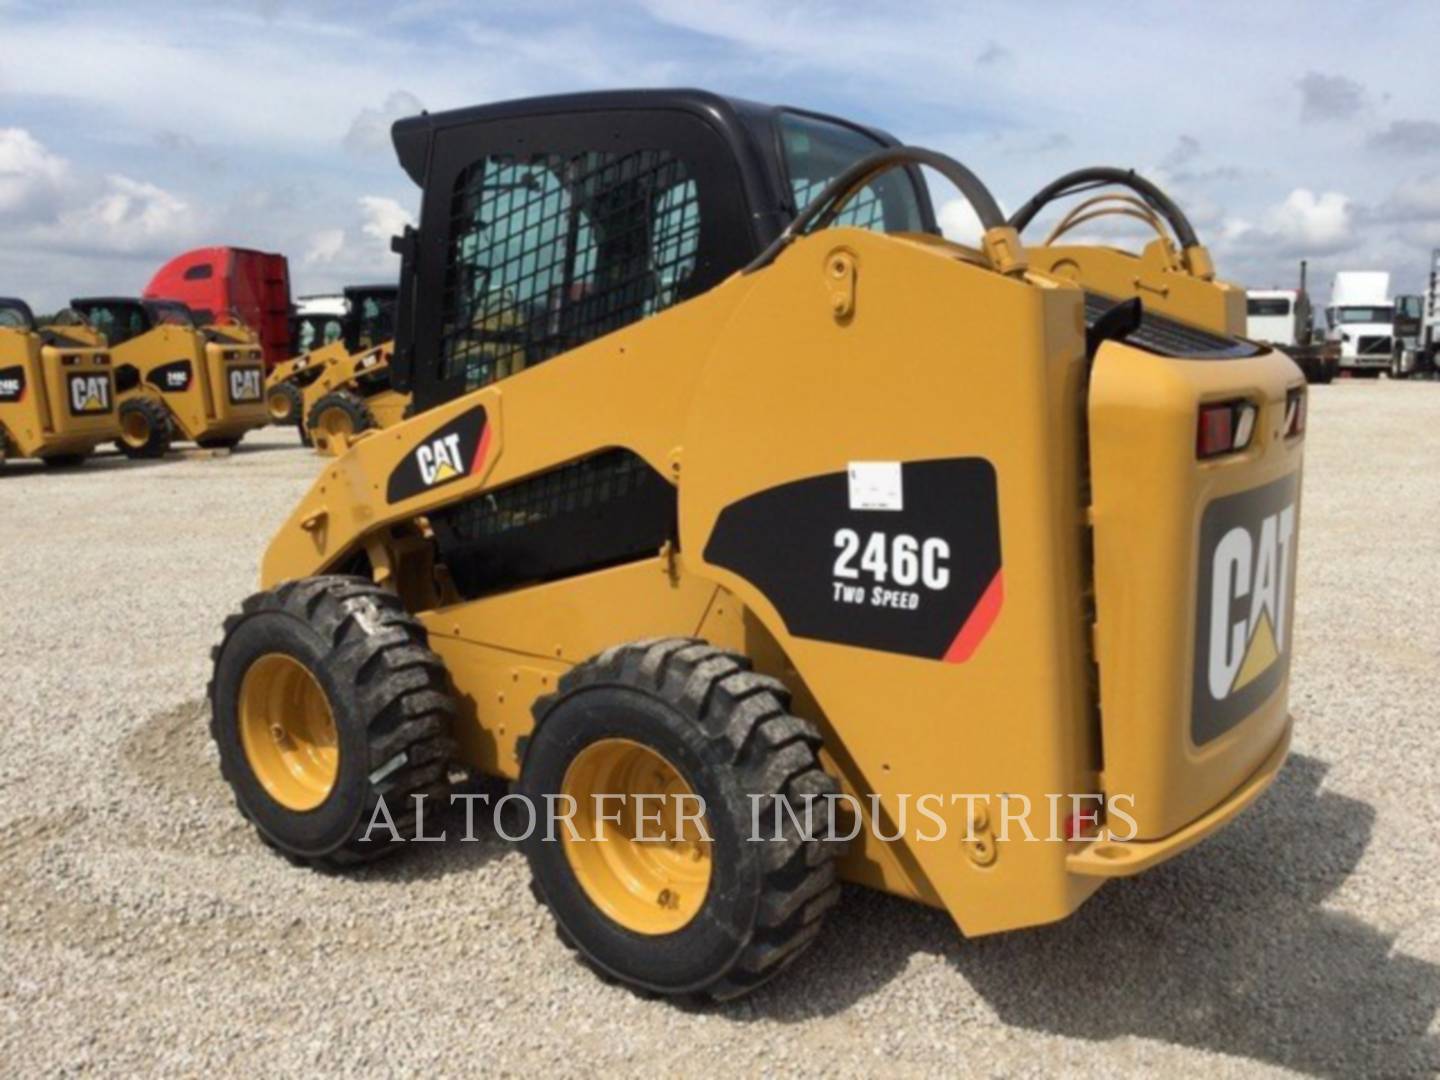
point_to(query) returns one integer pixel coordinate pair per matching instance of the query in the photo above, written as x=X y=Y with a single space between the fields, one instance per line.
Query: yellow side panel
x=939 y=360
x=504 y=651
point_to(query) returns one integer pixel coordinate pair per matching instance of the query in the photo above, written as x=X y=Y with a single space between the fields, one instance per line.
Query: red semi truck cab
x=254 y=285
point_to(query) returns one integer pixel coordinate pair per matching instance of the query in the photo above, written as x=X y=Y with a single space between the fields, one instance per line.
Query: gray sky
x=131 y=132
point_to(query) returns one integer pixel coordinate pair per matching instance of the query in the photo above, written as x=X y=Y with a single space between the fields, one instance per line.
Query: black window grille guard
x=549 y=251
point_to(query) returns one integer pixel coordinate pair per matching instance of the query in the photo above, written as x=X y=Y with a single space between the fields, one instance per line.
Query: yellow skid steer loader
x=323 y=340
x=57 y=392
x=740 y=516
x=350 y=396
x=176 y=380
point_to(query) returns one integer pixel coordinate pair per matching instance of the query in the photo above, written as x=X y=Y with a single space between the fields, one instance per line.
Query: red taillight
x=1295 y=412
x=1224 y=428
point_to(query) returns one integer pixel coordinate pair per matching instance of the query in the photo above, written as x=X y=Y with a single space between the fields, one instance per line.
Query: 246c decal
x=172 y=378
x=907 y=561
x=12 y=384
x=902 y=561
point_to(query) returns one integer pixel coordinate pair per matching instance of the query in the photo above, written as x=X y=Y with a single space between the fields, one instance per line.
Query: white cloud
x=383 y=218
x=359 y=250
x=32 y=179
x=959 y=222
x=1309 y=222
x=324 y=247
x=370 y=130
x=131 y=216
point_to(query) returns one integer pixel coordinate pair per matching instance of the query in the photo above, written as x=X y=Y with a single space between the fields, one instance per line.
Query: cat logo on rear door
x=1245 y=605
x=89 y=394
x=246 y=384
x=447 y=454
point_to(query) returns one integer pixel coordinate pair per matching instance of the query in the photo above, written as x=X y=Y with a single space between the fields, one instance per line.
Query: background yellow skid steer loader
x=176 y=380
x=731 y=484
x=351 y=395
x=328 y=331
x=57 y=393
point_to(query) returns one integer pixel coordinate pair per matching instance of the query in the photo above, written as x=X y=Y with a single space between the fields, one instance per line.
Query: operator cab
x=16 y=315
x=171 y=313
x=370 y=316
x=118 y=318
x=550 y=222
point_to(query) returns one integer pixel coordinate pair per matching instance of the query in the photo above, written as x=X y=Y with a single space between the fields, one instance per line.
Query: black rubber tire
x=228 y=442
x=730 y=735
x=296 y=398
x=353 y=405
x=157 y=418
x=64 y=461
x=389 y=698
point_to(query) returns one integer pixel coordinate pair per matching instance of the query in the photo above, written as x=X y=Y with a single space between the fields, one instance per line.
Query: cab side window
x=817 y=151
x=548 y=251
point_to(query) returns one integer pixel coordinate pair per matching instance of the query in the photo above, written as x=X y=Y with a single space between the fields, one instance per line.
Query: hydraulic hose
x=826 y=206
x=1101 y=176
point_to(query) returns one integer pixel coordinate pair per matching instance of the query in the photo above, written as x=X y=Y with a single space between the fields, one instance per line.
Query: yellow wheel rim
x=279 y=406
x=336 y=422
x=649 y=876
x=288 y=732
x=134 y=428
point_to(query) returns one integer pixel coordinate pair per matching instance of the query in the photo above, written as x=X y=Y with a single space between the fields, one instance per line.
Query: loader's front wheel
x=658 y=879
x=285 y=401
x=331 y=715
x=144 y=428
x=336 y=418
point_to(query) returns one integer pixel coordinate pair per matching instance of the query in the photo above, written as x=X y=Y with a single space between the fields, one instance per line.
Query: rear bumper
x=1114 y=858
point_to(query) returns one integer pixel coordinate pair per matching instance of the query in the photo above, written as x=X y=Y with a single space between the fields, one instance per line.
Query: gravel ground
x=145 y=930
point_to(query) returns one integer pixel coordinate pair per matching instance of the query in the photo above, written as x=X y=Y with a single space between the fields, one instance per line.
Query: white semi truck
x=1361 y=319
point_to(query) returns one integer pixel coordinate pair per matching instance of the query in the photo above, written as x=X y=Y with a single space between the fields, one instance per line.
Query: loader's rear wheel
x=647 y=886
x=676 y=896
x=285 y=402
x=331 y=715
x=336 y=417
x=144 y=428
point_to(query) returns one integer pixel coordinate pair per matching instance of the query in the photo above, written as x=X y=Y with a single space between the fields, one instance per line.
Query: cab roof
x=745 y=125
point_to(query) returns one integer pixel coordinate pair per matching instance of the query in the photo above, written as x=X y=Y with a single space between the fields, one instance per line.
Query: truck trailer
x=1285 y=320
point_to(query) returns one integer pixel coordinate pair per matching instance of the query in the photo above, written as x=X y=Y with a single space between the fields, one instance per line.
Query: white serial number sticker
x=876 y=485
